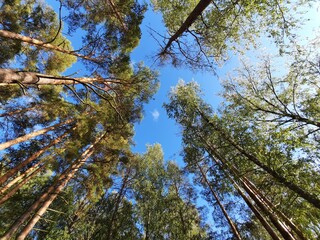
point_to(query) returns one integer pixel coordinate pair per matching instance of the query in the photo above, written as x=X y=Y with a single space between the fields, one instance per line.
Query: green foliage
x=36 y=20
x=226 y=26
x=165 y=199
x=207 y=134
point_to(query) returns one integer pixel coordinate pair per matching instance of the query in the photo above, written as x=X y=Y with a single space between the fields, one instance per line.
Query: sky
x=156 y=127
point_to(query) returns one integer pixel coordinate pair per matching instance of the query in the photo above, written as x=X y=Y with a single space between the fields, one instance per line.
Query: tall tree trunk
x=51 y=196
x=253 y=208
x=18 y=178
x=196 y=12
x=34 y=156
x=231 y=223
x=14 y=112
x=38 y=43
x=282 y=228
x=273 y=208
x=10 y=76
x=47 y=198
x=268 y=205
x=256 y=212
x=18 y=186
x=311 y=198
x=33 y=135
x=274 y=219
x=117 y=205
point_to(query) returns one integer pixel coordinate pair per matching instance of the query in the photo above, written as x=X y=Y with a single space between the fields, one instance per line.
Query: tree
x=288 y=104
x=34 y=19
x=195 y=117
x=32 y=135
x=231 y=223
x=74 y=170
x=165 y=199
x=48 y=197
x=201 y=36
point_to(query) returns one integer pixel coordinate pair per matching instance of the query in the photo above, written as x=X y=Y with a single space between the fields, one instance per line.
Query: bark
x=196 y=12
x=38 y=43
x=256 y=212
x=15 y=112
x=16 y=188
x=18 y=178
x=311 y=198
x=274 y=219
x=258 y=199
x=281 y=227
x=273 y=208
x=268 y=205
x=118 y=202
x=21 y=165
x=10 y=76
x=48 y=197
x=51 y=196
x=231 y=223
x=118 y=16
x=33 y=135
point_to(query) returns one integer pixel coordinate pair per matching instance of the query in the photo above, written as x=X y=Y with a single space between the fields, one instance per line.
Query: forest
x=71 y=96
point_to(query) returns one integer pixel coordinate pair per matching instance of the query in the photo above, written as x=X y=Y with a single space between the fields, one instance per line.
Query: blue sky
x=155 y=126
x=165 y=131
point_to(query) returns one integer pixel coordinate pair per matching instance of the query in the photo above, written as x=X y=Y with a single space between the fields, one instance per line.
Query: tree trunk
x=47 y=198
x=51 y=196
x=118 y=201
x=231 y=223
x=18 y=178
x=273 y=208
x=21 y=165
x=274 y=219
x=40 y=44
x=282 y=228
x=256 y=212
x=311 y=198
x=32 y=135
x=10 y=76
x=196 y=12
x=9 y=114
x=16 y=188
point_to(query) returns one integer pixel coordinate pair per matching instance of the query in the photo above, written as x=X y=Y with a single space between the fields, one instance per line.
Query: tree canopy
x=250 y=167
